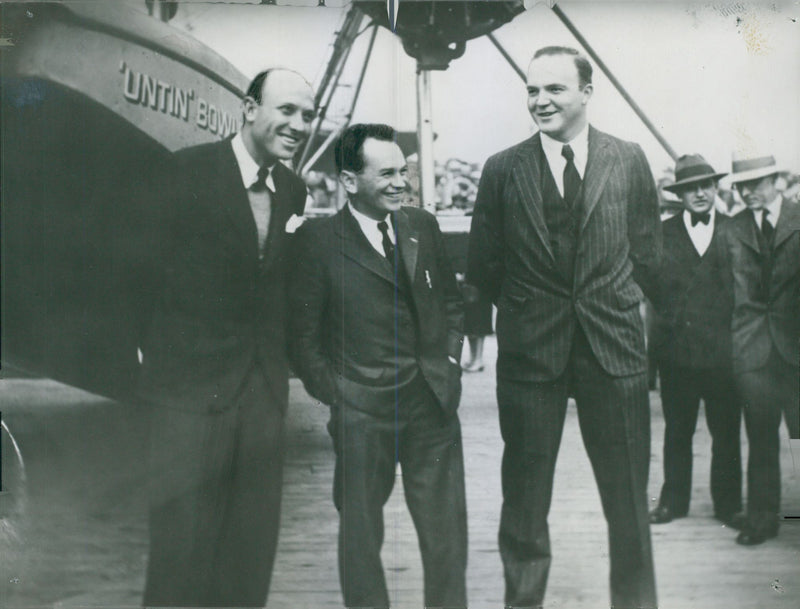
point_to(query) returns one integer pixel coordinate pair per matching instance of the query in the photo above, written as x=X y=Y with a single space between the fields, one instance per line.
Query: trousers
x=426 y=443
x=614 y=418
x=215 y=495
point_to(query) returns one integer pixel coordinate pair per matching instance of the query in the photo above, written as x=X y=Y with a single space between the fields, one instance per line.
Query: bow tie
x=704 y=218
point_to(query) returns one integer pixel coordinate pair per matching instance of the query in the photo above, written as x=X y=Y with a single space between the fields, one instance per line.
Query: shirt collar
x=363 y=219
x=248 y=168
x=774 y=209
x=579 y=145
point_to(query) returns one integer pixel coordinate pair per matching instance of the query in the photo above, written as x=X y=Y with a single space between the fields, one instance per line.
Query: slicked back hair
x=581 y=63
x=348 y=152
x=257 y=85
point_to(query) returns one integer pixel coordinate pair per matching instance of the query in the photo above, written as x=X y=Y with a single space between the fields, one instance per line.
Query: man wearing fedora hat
x=692 y=344
x=763 y=244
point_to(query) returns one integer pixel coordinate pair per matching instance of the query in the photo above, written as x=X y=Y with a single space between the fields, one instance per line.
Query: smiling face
x=699 y=196
x=556 y=99
x=379 y=187
x=277 y=127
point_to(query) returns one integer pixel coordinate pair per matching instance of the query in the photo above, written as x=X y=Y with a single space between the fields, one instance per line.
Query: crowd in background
x=457 y=184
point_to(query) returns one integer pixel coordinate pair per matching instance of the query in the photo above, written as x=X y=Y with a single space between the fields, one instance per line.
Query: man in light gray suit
x=565 y=237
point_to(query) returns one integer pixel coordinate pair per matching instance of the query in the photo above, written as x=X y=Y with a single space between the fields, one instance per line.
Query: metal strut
x=349 y=116
x=600 y=64
x=330 y=80
x=626 y=96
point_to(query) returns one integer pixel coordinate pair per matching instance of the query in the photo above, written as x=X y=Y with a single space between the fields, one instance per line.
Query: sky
x=714 y=77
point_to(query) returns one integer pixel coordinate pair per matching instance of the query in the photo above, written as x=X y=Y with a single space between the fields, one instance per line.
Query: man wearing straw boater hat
x=764 y=247
x=692 y=345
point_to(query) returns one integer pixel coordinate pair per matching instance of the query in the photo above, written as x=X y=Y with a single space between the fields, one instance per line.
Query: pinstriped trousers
x=614 y=418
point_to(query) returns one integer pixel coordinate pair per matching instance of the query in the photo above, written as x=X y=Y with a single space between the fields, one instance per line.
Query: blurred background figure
x=322 y=189
x=669 y=203
x=456 y=185
x=477 y=326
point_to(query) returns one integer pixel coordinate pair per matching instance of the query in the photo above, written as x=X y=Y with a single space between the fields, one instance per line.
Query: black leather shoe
x=663 y=514
x=751 y=536
x=736 y=521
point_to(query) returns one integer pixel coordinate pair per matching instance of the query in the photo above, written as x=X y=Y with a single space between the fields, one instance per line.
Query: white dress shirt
x=260 y=200
x=247 y=165
x=370 y=229
x=700 y=233
x=552 y=151
x=774 y=208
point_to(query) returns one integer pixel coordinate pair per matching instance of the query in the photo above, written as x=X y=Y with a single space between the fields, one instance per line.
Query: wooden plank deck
x=84 y=539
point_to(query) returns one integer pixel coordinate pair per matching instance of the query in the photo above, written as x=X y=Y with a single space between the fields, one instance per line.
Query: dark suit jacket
x=342 y=322
x=761 y=321
x=221 y=310
x=618 y=250
x=693 y=322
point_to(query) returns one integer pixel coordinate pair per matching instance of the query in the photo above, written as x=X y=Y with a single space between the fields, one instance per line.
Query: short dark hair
x=581 y=63
x=348 y=150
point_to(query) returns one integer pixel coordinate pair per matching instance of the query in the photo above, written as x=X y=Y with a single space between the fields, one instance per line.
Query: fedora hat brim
x=753 y=174
x=680 y=185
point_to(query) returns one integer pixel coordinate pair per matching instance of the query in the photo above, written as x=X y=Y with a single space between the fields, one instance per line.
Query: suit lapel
x=232 y=193
x=746 y=232
x=685 y=245
x=599 y=163
x=528 y=172
x=408 y=242
x=788 y=223
x=356 y=247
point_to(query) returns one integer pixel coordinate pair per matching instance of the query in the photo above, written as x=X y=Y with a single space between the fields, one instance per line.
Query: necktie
x=704 y=218
x=766 y=227
x=767 y=231
x=572 y=180
x=260 y=196
x=260 y=184
x=388 y=246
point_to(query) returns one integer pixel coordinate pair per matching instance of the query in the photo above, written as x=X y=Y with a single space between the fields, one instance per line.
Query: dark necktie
x=704 y=218
x=766 y=227
x=260 y=196
x=260 y=185
x=572 y=180
x=388 y=246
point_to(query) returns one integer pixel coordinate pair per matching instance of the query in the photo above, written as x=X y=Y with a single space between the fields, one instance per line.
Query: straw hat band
x=745 y=169
x=740 y=166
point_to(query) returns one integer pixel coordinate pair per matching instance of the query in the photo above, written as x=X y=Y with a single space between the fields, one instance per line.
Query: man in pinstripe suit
x=565 y=237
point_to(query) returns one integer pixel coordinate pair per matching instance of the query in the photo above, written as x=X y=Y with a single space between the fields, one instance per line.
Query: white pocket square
x=293 y=223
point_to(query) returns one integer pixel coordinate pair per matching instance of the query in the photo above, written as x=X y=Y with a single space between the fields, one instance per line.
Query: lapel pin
x=428 y=279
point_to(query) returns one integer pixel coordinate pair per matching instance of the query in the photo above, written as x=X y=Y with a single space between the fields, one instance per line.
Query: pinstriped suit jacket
x=618 y=252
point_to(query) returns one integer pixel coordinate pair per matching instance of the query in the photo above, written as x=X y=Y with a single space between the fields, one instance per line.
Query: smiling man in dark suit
x=565 y=236
x=376 y=333
x=764 y=248
x=214 y=364
x=692 y=344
